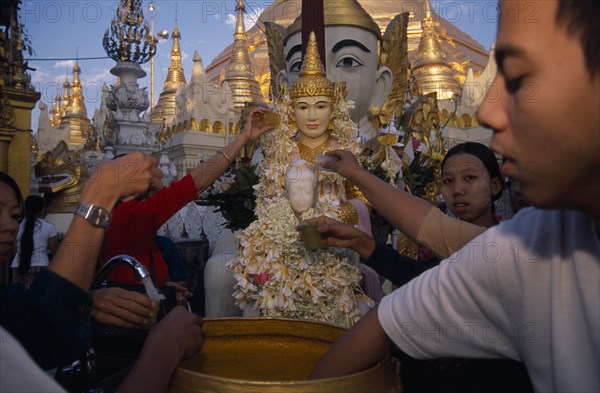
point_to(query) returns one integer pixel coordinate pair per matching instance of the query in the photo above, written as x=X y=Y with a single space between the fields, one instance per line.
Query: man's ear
x=383 y=86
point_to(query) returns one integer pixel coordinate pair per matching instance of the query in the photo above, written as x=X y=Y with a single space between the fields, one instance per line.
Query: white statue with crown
x=277 y=276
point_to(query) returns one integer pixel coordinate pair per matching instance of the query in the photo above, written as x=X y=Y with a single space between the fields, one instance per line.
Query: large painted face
x=10 y=214
x=300 y=183
x=468 y=189
x=543 y=109
x=351 y=56
x=312 y=115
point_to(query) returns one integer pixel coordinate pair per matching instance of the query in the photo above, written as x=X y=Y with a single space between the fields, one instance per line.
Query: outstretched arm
x=177 y=336
x=404 y=211
x=206 y=173
x=361 y=347
x=130 y=175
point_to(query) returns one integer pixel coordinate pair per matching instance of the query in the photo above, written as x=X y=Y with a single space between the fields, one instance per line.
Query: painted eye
x=348 y=62
x=447 y=181
x=295 y=67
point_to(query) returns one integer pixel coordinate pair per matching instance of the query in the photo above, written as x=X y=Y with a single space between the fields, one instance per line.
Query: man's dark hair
x=580 y=17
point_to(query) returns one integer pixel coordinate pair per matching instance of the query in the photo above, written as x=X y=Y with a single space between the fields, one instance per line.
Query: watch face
x=100 y=217
x=95 y=215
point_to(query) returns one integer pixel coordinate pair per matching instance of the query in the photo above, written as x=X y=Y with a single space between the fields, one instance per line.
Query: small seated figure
x=276 y=275
x=300 y=187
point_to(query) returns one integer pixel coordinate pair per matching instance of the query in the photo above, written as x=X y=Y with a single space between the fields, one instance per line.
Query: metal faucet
x=138 y=269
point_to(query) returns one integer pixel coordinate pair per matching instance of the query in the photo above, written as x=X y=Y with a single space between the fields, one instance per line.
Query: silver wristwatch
x=98 y=216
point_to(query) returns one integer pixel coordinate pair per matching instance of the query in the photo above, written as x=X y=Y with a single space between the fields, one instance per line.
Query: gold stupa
x=165 y=107
x=239 y=73
x=71 y=113
x=430 y=69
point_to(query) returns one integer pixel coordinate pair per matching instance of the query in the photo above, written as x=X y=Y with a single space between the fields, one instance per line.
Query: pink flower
x=261 y=278
x=416 y=143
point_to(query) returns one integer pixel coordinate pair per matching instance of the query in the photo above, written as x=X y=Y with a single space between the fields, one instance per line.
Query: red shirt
x=134 y=225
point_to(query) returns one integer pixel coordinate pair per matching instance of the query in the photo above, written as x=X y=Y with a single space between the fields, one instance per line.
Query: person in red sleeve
x=135 y=223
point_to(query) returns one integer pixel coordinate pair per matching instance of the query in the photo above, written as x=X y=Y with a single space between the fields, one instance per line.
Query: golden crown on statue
x=312 y=79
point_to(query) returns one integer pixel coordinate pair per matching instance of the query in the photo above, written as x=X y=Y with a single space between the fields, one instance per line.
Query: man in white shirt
x=529 y=288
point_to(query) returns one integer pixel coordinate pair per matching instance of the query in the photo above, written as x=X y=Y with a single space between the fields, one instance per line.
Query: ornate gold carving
x=7 y=115
x=308 y=154
x=394 y=55
x=312 y=79
x=422 y=117
x=348 y=213
x=275 y=34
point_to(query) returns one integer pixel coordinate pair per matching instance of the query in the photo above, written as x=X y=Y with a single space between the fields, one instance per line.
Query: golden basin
x=272 y=355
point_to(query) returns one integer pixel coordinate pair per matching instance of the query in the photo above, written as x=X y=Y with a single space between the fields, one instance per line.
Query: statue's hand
x=346 y=164
x=253 y=128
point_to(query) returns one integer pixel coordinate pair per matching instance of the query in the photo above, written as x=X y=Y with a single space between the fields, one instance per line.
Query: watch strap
x=96 y=215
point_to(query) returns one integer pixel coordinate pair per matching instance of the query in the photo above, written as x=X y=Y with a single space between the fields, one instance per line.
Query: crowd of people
x=525 y=290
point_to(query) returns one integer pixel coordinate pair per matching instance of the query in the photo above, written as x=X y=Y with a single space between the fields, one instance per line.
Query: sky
x=64 y=30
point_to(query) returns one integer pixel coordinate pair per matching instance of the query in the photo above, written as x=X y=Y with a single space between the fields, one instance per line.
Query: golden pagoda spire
x=165 y=107
x=77 y=105
x=55 y=111
x=239 y=73
x=175 y=76
x=75 y=113
x=66 y=96
x=431 y=71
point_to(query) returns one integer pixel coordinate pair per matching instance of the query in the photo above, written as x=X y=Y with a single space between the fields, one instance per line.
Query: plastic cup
x=310 y=235
x=268 y=118
x=319 y=158
x=152 y=320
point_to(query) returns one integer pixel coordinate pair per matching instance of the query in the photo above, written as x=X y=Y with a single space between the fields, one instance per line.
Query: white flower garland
x=275 y=273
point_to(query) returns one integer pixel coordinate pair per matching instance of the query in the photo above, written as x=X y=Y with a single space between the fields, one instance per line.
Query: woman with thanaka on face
x=35 y=240
x=276 y=274
x=471 y=182
x=48 y=325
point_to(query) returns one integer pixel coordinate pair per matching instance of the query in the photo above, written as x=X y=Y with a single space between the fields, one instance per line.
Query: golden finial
x=312 y=80
x=129 y=38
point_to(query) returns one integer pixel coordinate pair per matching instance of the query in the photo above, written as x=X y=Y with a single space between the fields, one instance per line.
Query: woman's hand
x=128 y=176
x=346 y=164
x=181 y=328
x=251 y=128
x=117 y=306
x=338 y=234
x=176 y=337
x=182 y=294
